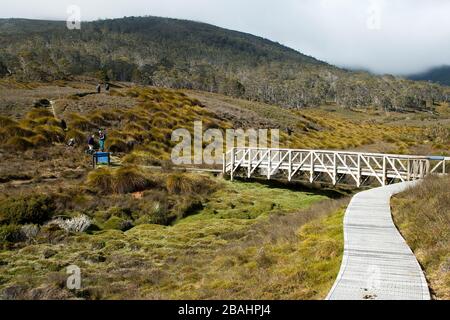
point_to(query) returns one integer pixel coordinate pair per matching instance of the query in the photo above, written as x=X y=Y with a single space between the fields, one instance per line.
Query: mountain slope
x=184 y=54
x=440 y=75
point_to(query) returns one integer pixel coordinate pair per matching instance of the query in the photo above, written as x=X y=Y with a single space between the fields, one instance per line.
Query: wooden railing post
x=290 y=166
x=334 y=168
x=358 y=183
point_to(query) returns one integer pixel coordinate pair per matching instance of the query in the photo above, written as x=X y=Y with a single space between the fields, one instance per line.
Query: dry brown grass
x=122 y=180
x=422 y=215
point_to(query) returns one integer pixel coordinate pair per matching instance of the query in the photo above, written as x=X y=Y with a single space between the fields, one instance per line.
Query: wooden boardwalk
x=377 y=263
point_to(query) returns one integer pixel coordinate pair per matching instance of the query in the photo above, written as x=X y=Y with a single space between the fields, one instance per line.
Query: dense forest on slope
x=440 y=75
x=184 y=54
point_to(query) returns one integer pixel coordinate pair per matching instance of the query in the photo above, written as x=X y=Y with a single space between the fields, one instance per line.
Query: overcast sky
x=384 y=36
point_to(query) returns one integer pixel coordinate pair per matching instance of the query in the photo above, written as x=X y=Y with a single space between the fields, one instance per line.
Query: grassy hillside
x=423 y=217
x=191 y=55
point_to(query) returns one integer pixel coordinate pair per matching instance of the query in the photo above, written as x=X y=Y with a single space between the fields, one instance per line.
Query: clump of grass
x=120 y=181
x=47 y=120
x=51 y=133
x=423 y=217
x=16 y=131
x=37 y=113
x=39 y=140
x=182 y=183
x=6 y=121
x=78 y=135
x=117 y=145
x=19 y=143
x=80 y=122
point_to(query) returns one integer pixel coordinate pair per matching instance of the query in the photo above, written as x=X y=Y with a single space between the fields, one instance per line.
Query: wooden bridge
x=330 y=166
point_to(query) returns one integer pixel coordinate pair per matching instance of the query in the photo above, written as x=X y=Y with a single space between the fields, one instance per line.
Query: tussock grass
x=37 y=113
x=423 y=217
x=5 y=122
x=183 y=183
x=116 y=145
x=19 y=143
x=123 y=180
x=50 y=132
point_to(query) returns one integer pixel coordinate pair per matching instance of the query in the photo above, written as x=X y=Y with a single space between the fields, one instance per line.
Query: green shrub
x=155 y=212
x=35 y=209
x=117 y=223
x=10 y=233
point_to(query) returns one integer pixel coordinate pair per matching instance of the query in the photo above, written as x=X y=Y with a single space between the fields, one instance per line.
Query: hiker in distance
x=102 y=138
x=91 y=142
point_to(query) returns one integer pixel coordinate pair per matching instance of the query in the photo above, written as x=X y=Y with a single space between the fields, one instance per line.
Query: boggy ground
x=165 y=233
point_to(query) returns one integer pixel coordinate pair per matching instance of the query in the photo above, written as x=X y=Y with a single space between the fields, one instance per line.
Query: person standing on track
x=102 y=138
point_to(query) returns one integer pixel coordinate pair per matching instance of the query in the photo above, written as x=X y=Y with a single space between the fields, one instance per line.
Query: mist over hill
x=185 y=54
x=440 y=75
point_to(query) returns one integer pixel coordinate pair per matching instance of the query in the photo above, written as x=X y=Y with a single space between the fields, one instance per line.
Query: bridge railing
x=332 y=165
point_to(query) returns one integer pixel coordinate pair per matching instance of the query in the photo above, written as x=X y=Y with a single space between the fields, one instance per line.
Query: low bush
x=10 y=233
x=35 y=209
x=155 y=211
x=117 y=223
